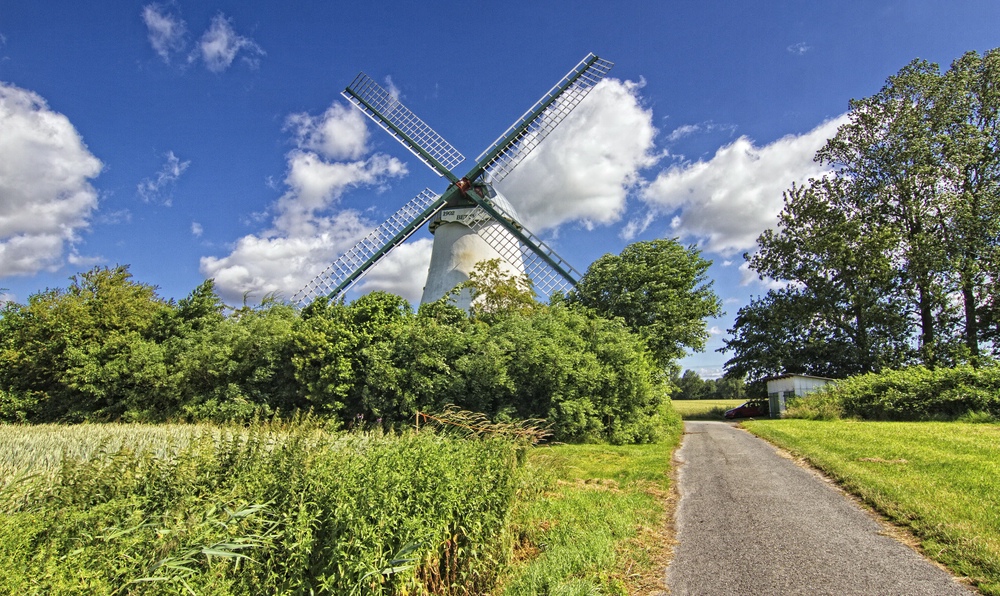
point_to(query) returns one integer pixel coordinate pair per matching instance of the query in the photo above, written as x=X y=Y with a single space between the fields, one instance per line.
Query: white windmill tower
x=471 y=221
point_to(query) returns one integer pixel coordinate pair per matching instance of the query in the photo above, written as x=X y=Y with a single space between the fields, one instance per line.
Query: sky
x=194 y=140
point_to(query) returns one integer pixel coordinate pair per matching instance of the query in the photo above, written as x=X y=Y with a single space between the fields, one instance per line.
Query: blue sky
x=208 y=139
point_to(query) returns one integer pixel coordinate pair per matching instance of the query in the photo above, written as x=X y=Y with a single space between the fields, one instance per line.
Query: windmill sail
x=385 y=109
x=343 y=273
x=530 y=129
x=546 y=278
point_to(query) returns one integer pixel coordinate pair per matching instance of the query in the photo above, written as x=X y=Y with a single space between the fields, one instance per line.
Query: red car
x=753 y=408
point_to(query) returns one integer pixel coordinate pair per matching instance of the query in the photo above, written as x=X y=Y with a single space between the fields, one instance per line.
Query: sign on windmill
x=471 y=221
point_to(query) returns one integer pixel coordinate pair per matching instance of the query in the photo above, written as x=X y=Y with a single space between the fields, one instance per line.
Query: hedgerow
x=914 y=393
x=107 y=349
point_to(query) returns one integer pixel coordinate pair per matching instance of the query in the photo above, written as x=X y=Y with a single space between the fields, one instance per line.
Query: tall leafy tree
x=966 y=113
x=887 y=153
x=660 y=289
x=847 y=289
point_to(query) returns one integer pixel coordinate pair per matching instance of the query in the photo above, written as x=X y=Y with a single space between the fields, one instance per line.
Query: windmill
x=470 y=221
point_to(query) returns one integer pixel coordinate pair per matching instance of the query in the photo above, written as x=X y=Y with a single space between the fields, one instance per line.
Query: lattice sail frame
x=541 y=119
x=341 y=275
x=396 y=119
x=544 y=278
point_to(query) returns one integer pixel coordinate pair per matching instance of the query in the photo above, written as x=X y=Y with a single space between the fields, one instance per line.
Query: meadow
x=298 y=507
x=273 y=508
x=704 y=409
x=939 y=480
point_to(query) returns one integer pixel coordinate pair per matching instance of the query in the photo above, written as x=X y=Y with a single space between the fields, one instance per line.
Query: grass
x=272 y=508
x=232 y=510
x=941 y=480
x=598 y=523
x=704 y=409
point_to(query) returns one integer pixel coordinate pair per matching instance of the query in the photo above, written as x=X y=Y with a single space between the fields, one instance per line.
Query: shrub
x=915 y=393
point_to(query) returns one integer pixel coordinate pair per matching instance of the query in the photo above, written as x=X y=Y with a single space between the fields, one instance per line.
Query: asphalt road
x=753 y=522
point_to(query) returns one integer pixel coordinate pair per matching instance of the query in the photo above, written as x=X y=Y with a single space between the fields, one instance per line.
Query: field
x=941 y=480
x=704 y=409
x=274 y=508
x=181 y=509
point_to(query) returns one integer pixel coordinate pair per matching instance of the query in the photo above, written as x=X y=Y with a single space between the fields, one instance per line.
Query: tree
x=89 y=352
x=893 y=255
x=496 y=293
x=848 y=292
x=660 y=289
x=691 y=386
x=967 y=117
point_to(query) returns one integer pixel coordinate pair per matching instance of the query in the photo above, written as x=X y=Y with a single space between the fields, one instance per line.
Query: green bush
x=915 y=393
x=276 y=508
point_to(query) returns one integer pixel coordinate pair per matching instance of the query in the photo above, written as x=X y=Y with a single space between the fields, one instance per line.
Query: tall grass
x=272 y=509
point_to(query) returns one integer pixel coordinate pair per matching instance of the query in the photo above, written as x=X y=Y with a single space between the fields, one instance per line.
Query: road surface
x=753 y=522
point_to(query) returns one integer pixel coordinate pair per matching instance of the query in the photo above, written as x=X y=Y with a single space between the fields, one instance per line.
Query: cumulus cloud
x=166 y=31
x=402 y=272
x=45 y=194
x=340 y=133
x=220 y=44
x=586 y=167
x=307 y=230
x=157 y=189
x=196 y=229
x=727 y=201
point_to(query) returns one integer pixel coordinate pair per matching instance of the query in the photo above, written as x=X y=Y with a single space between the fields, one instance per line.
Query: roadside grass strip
x=941 y=480
x=704 y=409
x=597 y=522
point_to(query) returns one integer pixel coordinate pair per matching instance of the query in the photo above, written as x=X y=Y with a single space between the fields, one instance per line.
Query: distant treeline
x=690 y=385
x=108 y=348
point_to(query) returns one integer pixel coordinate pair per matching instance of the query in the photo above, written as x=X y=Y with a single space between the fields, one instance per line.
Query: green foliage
x=914 y=393
x=691 y=386
x=274 y=508
x=89 y=351
x=109 y=349
x=891 y=258
x=660 y=289
x=497 y=294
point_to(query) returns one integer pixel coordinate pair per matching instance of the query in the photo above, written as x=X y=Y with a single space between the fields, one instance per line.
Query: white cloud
x=728 y=201
x=682 y=131
x=307 y=231
x=586 y=167
x=196 y=229
x=45 y=193
x=798 y=48
x=402 y=272
x=157 y=190
x=166 y=31
x=220 y=44
x=340 y=133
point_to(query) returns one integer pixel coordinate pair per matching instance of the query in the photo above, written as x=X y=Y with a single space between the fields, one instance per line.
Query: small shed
x=783 y=387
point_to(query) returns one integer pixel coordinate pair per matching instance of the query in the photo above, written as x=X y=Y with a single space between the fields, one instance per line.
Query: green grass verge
x=939 y=479
x=704 y=409
x=597 y=523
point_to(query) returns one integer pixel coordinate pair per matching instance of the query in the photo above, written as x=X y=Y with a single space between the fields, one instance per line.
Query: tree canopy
x=108 y=348
x=891 y=258
x=661 y=291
